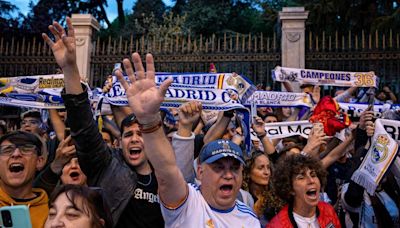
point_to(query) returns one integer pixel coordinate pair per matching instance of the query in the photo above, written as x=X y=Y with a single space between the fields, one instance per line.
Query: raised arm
x=64 y=51
x=145 y=99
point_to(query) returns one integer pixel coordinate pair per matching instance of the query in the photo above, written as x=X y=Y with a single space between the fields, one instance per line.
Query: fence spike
x=17 y=51
x=249 y=43
x=243 y=43
x=201 y=43
x=262 y=42
x=343 y=47
x=383 y=41
x=218 y=45
x=376 y=39
x=356 y=42
x=120 y=45
x=213 y=42
x=12 y=45
x=39 y=48
x=23 y=46
x=310 y=40
x=390 y=38
x=336 y=40
x=97 y=46
x=316 y=43
x=224 y=42
x=237 y=42
x=330 y=43
x=189 y=43
x=33 y=46
x=323 y=40
x=369 y=41
x=349 y=39
x=274 y=41
x=255 y=43
x=362 y=39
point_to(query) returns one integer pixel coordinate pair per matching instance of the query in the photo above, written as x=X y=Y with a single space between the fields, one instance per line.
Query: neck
x=256 y=189
x=144 y=169
x=24 y=192
x=304 y=210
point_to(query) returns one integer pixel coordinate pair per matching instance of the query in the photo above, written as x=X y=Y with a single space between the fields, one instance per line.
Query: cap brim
x=214 y=158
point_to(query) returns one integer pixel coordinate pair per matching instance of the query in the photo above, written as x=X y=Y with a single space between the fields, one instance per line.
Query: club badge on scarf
x=380 y=155
x=279 y=99
x=322 y=77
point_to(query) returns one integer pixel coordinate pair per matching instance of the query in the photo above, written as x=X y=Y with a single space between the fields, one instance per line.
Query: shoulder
x=243 y=208
x=327 y=215
x=281 y=218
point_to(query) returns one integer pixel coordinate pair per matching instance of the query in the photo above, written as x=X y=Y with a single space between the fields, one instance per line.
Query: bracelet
x=262 y=136
x=150 y=127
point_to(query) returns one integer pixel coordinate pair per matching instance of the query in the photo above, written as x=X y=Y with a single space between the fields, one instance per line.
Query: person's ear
x=200 y=171
x=40 y=162
x=102 y=222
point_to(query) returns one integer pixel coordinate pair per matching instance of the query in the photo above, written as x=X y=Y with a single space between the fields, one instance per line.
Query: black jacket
x=104 y=167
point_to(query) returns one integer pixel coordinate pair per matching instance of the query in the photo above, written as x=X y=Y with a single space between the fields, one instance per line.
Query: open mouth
x=135 y=151
x=312 y=193
x=16 y=168
x=226 y=188
x=74 y=174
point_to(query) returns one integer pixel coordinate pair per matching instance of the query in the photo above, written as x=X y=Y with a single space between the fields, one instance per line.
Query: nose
x=228 y=174
x=310 y=179
x=16 y=153
x=74 y=163
x=57 y=222
x=135 y=138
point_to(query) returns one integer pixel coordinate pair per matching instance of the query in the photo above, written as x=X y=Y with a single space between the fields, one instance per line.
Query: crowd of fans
x=146 y=168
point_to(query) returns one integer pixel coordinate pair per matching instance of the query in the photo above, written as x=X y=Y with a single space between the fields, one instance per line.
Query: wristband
x=150 y=127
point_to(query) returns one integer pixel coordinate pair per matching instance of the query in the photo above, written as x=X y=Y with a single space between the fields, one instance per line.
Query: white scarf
x=381 y=154
x=280 y=130
x=322 y=77
x=279 y=99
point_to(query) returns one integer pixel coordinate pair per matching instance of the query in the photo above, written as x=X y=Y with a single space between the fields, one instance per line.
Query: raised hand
x=64 y=153
x=63 y=47
x=143 y=95
x=189 y=112
x=258 y=126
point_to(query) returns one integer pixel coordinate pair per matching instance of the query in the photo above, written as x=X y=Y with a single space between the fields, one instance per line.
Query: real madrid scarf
x=278 y=99
x=380 y=155
x=280 y=130
x=321 y=77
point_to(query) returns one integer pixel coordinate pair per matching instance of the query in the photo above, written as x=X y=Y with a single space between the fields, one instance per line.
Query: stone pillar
x=293 y=38
x=85 y=25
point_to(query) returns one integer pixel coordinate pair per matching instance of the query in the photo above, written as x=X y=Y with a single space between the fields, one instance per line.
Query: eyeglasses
x=25 y=149
x=34 y=122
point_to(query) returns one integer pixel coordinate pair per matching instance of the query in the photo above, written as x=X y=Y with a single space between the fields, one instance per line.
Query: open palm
x=143 y=96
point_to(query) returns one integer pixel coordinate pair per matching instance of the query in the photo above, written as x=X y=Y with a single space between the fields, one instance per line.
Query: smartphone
x=15 y=217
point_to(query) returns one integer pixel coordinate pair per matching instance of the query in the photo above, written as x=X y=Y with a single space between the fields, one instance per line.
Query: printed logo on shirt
x=150 y=197
x=210 y=224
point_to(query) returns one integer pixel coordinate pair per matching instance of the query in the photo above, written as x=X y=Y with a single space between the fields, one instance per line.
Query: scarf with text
x=380 y=155
x=322 y=77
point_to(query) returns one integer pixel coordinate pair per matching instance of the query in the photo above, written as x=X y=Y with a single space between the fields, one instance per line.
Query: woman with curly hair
x=298 y=180
x=256 y=180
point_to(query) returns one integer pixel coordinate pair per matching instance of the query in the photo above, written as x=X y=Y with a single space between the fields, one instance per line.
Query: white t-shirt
x=195 y=212
x=303 y=222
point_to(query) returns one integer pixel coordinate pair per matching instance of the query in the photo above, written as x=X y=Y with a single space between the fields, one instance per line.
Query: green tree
x=8 y=23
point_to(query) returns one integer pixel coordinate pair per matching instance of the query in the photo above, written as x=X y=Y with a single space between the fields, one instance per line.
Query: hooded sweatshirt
x=38 y=207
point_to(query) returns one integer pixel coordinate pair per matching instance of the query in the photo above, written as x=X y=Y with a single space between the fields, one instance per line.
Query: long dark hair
x=93 y=204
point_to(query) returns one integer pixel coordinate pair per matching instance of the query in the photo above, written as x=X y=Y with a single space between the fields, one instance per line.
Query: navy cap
x=220 y=148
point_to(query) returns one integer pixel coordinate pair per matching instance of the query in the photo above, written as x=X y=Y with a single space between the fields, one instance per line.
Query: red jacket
x=326 y=215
